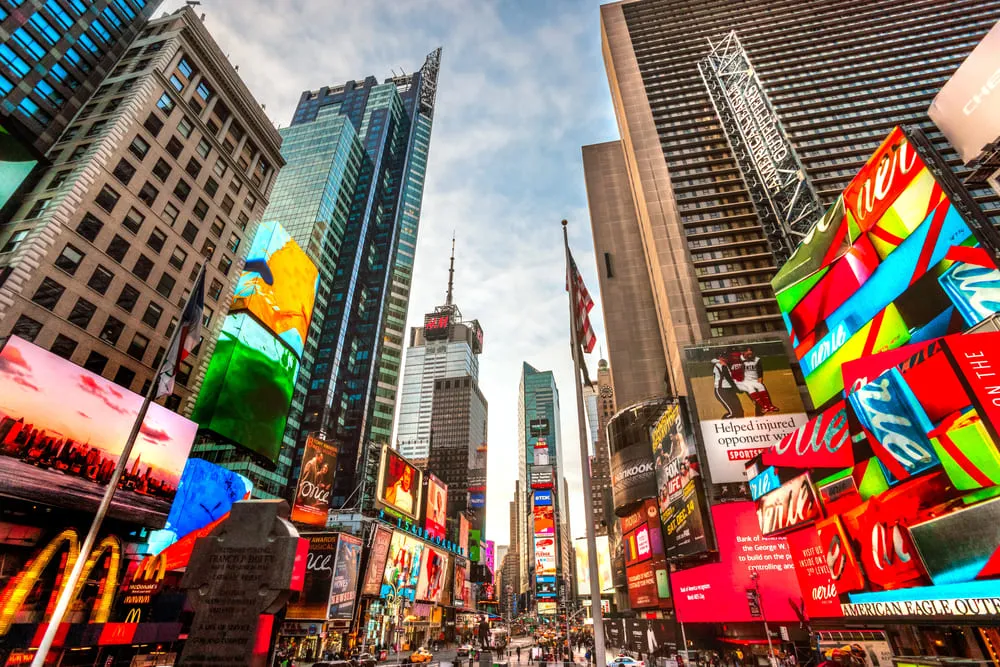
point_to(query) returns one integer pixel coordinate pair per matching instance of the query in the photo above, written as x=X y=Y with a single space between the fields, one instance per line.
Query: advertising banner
x=399 y=484
x=312 y=496
x=544 y=520
x=681 y=496
x=62 y=429
x=545 y=556
x=967 y=109
x=642 y=589
x=541 y=477
x=547 y=608
x=633 y=476
x=461 y=580
x=790 y=505
x=542 y=498
x=819 y=592
x=436 y=516
x=433 y=566
x=463 y=534
x=715 y=593
x=376 y=561
x=313 y=602
x=645 y=564
x=345 y=578
x=747 y=400
x=402 y=568
x=603 y=566
x=205 y=494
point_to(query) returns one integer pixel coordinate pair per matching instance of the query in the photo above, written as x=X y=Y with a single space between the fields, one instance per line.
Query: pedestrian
x=518 y=649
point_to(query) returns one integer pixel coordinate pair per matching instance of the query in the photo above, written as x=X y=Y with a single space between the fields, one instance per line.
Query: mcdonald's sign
x=67 y=544
x=147 y=580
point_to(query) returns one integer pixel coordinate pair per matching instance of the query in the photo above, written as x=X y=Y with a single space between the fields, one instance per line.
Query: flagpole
x=588 y=507
x=69 y=588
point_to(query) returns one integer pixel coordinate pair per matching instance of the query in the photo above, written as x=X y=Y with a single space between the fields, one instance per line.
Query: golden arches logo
x=151 y=570
x=134 y=615
x=20 y=587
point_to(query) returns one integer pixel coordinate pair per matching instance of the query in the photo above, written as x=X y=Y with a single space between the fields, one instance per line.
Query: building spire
x=451 y=271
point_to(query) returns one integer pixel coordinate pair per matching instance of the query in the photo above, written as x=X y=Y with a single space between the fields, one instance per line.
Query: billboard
x=431 y=578
x=645 y=563
x=346 y=565
x=746 y=399
x=633 y=477
x=545 y=556
x=399 y=483
x=313 y=601
x=377 y=556
x=436 y=514
x=62 y=430
x=913 y=526
x=715 y=593
x=892 y=262
x=967 y=109
x=604 y=574
x=489 y=555
x=547 y=608
x=681 y=494
x=16 y=163
x=461 y=579
x=278 y=285
x=248 y=387
x=541 y=477
x=312 y=495
x=463 y=533
x=205 y=494
x=544 y=520
x=402 y=567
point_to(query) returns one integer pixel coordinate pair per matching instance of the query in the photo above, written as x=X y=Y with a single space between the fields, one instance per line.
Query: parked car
x=363 y=660
x=464 y=649
x=421 y=655
x=625 y=661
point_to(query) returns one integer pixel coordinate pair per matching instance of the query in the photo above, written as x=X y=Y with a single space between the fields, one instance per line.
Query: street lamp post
x=755 y=577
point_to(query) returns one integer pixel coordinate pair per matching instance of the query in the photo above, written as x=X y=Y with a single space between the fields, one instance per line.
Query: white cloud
x=522 y=88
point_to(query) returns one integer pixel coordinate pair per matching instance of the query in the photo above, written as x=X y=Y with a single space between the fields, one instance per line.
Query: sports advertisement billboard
x=343 y=593
x=312 y=495
x=603 y=566
x=545 y=557
x=681 y=494
x=278 y=285
x=746 y=399
x=436 y=514
x=431 y=579
x=377 y=556
x=399 y=484
x=715 y=593
x=248 y=387
x=62 y=429
x=402 y=567
x=913 y=526
x=892 y=262
x=313 y=601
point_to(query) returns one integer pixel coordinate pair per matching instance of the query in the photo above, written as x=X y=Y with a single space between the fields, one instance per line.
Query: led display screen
x=645 y=564
x=205 y=494
x=248 y=387
x=345 y=578
x=399 y=483
x=437 y=507
x=545 y=556
x=16 y=163
x=312 y=495
x=278 y=285
x=545 y=522
x=402 y=567
x=747 y=400
x=431 y=580
x=62 y=429
x=547 y=608
x=603 y=566
x=312 y=602
x=463 y=534
x=489 y=555
x=461 y=579
x=892 y=262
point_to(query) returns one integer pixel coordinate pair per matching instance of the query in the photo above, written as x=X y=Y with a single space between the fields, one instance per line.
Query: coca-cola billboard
x=312 y=495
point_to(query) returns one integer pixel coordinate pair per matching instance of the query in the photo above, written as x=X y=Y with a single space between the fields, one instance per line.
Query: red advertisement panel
x=977 y=359
x=791 y=504
x=822 y=442
x=716 y=593
x=819 y=591
x=883 y=178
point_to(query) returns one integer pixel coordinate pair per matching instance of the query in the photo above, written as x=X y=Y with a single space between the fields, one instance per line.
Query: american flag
x=582 y=305
x=187 y=336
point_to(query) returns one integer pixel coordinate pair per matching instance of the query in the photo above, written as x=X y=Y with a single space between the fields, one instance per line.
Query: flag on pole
x=185 y=338
x=582 y=305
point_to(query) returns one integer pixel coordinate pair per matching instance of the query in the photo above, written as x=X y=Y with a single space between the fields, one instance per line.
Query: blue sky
x=522 y=88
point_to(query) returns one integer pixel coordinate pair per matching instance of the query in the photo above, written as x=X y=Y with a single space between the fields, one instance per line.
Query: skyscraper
x=705 y=244
x=603 y=394
x=445 y=347
x=356 y=158
x=168 y=166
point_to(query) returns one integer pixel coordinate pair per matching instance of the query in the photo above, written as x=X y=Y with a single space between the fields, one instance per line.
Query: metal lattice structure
x=782 y=195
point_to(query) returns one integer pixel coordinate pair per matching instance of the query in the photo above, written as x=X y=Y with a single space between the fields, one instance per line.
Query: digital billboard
x=893 y=262
x=377 y=556
x=463 y=534
x=402 y=567
x=489 y=556
x=399 y=483
x=62 y=429
x=346 y=565
x=715 y=593
x=547 y=608
x=633 y=476
x=913 y=526
x=746 y=398
x=312 y=495
x=436 y=514
x=313 y=601
x=544 y=520
x=16 y=163
x=680 y=492
x=604 y=574
x=205 y=494
x=645 y=564
x=545 y=556
x=461 y=579
x=278 y=285
x=431 y=580
x=248 y=387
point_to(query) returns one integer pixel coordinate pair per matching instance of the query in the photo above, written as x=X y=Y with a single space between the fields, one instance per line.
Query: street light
x=755 y=577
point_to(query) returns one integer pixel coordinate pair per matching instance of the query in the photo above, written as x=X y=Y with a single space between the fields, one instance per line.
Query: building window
x=139 y=147
x=184 y=372
x=201 y=209
x=82 y=313
x=208 y=249
x=128 y=298
x=193 y=168
x=185 y=127
x=37 y=209
x=182 y=190
x=153 y=124
x=59 y=178
x=203 y=148
x=227 y=204
x=124 y=377
x=170 y=327
x=162 y=170
x=69 y=259
x=107 y=199
x=26 y=328
x=177 y=258
x=89 y=227
x=175 y=147
x=242 y=220
x=170 y=213
x=112 y=330
x=166 y=284
x=96 y=362
x=48 y=293
x=64 y=346
x=118 y=248
x=143 y=267
x=79 y=152
x=137 y=348
x=234 y=242
x=190 y=232
x=148 y=194
x=166 y=104
x=218 y=226
x=100 y=280
x=214 y=290
x=124 y=171
x=133 y=221
x=219 y=168
x=156 y=239
x=185 y=68
x=14 y=241
x=152 y=315
x=225 y=263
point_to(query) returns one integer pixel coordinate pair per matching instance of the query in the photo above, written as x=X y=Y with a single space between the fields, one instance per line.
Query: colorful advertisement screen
x=603 y=566
x=716 y=593
x=747 y=400
x=489 y=555
x=377 y=557
x=437 y=507
x=16 y=163
x=913 y=526
x=545 y=520
x=62 y=429
x=645 y=565
x=892 y=262
x=680 y=492
x=402 y=567
x=463 y=534
x=461 y=579
x=345 y=578
x=399 y=484
x=278 y=285
x=205 y=494
x=248 y=387
x=431 y=581
x=312 y=496
x=313 y=601
x=545 y=556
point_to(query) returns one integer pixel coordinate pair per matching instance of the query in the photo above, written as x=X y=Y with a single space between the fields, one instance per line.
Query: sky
x=522 y=88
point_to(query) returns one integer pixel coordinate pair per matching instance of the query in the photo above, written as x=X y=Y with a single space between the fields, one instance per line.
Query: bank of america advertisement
x=747 y=400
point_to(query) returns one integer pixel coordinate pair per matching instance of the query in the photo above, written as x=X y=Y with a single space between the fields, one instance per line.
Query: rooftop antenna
x=451 y=270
